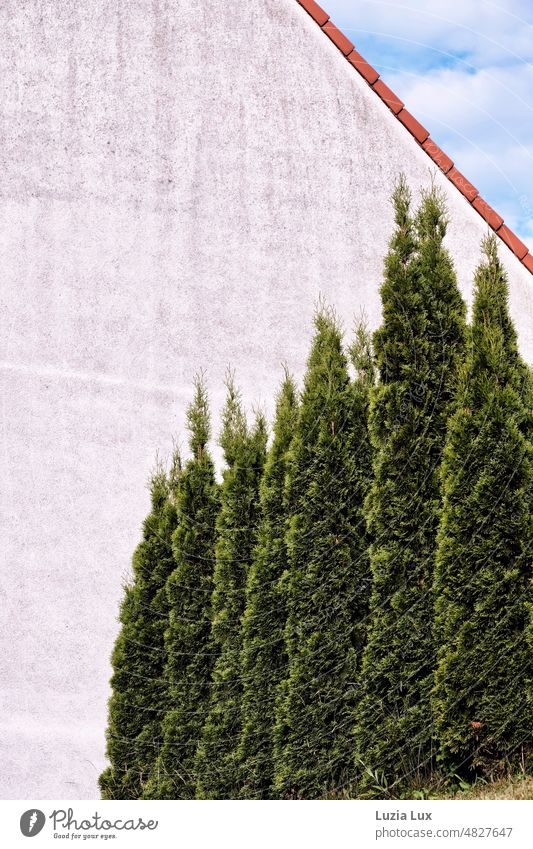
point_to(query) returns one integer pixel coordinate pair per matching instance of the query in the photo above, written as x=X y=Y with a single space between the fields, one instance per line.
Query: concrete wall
x=180 y=180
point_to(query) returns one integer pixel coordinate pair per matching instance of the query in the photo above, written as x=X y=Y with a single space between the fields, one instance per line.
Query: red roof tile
x=528 y=262
x=365 y=69
x=315 y=11
x=419 y=132
x=438 y=156
x=465 y=187
x=487 y=212
x=415 y=128
x=393 y=102
x=513 y=241
x=338 y=38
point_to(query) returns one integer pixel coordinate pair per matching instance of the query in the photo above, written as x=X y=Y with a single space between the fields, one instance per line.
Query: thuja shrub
x=418 y=351
x=139 y=697
x=483 y=566
x=327 y=579
x=263 y=655
x=188 y=645
x=244 y=450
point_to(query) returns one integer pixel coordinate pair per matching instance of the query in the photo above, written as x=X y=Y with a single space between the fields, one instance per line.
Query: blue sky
x=465 y=70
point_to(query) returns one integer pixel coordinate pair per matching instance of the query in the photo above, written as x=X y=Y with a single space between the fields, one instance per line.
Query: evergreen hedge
x=328 y=578
x=139 y=689
x=354 y=608
x=190 y=653
x=264 y=657
x=244 y=451
x=418 y=350
x=483 y=567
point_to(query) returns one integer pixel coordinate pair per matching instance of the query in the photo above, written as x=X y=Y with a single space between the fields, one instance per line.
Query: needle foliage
x=218 y=775
x=327 y=582
x=483 y=566
x=264 y=657
x=419 y=348
x=189 y=650
x=139 y=698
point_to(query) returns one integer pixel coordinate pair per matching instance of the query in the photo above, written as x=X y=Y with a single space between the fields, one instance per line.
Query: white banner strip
x=272 y=825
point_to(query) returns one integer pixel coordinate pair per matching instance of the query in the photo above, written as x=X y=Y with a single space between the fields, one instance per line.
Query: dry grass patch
x=505 y=788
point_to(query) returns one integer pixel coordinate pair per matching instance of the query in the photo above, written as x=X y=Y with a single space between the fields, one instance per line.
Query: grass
x=518 y=787
x=512 y=786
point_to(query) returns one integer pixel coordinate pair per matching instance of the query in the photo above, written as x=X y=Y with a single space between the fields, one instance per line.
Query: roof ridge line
x=419 y=132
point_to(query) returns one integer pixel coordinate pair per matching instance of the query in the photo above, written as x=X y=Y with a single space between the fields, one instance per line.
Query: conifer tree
x=327 y=581
x=483 y=565
x=264 y=656
x=139 y=691
x=190 y=653
x=418 y=350
x=244 y=451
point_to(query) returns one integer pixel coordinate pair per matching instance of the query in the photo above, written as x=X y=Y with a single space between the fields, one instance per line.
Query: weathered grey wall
x=180 y=180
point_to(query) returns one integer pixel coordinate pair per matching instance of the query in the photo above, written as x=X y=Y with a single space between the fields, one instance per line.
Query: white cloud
x=479 y=29
x=465 y=70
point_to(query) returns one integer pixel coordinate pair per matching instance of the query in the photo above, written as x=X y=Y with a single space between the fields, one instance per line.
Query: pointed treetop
x=326 y=356
x=286 y=400
x=198 y=417
x=491 y=278
x=361 y=354
x=234 y=426
x=259 y=434
x=490 y=248
x=401 y=201
x=175 y=471
x=158 y=485
x=493 y=338
x=326 y=376
x=328 y=336
x=403 y=239
x=325 y=317
x=432 y=216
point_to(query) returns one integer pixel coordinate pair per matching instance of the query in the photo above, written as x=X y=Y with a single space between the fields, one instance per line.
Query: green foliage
x=353 y=611
x=327 y=581
x=139 y=690
x=217 y=762
x=483 y=566
x=418 y=350
x=190 y=653
x=264 y=657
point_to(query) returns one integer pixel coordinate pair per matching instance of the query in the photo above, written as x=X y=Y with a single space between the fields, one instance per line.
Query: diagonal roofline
x=419 y=132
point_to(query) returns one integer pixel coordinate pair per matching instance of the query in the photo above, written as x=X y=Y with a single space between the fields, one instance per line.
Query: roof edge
x=419 y=133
